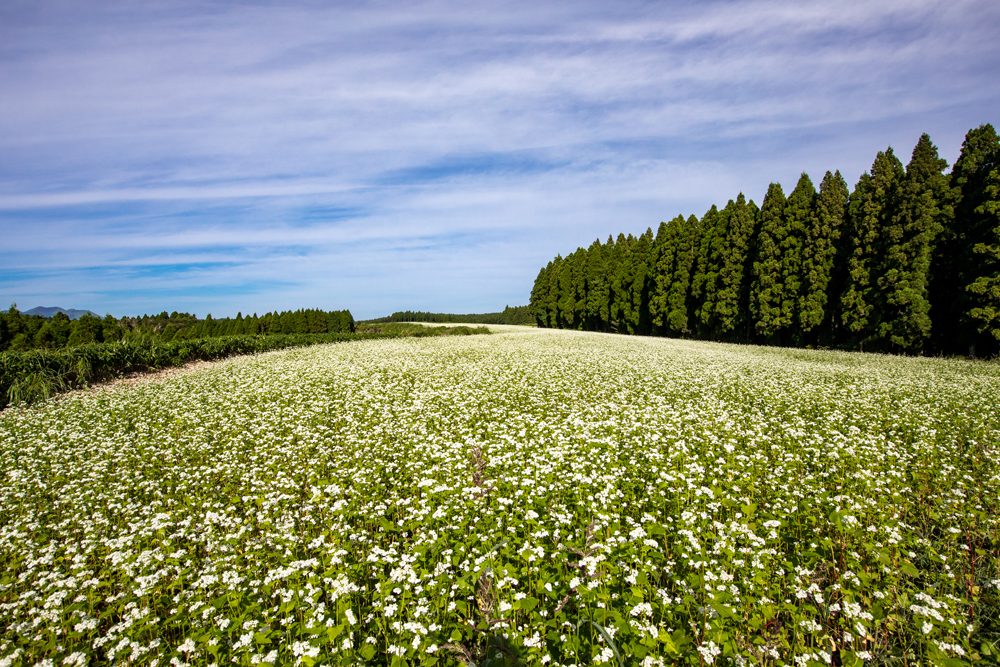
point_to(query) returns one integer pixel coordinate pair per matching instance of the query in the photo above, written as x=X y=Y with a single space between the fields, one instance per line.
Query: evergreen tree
x=956 y=264
x=597 y=288
x=610 y=268
x=705 y=282
x=820 y=252
x=872 y=205
x=703 y=271
x=799 y=218
x=664 y=250
x=619 y=297
x=910 y=253
x=627 y=313
x=580 y=288
x=539 y=296
x=679 y=306
x=639 y=272
x=985 y=286
x=567 y=295
x=730 y=264
x=902 y=308
x=767 y=292
x=552 y=298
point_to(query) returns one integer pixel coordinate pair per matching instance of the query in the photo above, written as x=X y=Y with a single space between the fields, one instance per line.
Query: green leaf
x=851 y=659
x=907 y=568
x=952 y=662
x=722 y=610
x=604 y=633
x=527 y=604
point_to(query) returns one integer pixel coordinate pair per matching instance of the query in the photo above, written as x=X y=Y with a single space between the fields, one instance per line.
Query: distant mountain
x=72 y=313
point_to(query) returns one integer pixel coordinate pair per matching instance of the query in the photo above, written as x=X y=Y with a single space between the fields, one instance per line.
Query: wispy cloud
x=236 y=156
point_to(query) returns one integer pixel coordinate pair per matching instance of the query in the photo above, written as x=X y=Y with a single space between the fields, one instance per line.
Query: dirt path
x=141 y=377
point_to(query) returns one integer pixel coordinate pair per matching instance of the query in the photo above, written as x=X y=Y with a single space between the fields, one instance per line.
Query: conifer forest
x=908 y=263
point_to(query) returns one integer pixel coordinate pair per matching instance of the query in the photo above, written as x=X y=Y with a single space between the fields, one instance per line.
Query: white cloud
x=516 y=130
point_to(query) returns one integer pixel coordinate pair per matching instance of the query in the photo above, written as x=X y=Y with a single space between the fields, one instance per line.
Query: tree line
x=907 y=262
x=510 y=315
x=20 y=332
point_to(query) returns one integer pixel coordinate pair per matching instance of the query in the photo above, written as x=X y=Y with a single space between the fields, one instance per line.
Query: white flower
x=709 y=651
x=642 y=609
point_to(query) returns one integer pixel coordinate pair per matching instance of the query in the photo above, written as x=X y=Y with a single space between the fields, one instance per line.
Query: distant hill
x=72 y=313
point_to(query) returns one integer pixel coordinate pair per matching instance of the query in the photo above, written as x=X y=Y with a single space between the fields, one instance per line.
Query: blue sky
x=222 y=157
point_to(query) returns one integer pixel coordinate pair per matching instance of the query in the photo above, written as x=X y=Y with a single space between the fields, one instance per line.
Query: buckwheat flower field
x=536 y=498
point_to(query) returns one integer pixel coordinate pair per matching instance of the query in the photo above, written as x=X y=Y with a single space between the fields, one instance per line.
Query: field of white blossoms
x=541 y=498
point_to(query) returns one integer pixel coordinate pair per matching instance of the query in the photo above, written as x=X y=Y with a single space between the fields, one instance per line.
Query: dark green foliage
x=87 y=329
x=820 y=253
x=678 y=291
x=783 y=261
x=509 y=315
x=618 y=270
x=596 y=289
x=637 y=286
x=566 y=299
x=963 y=303
x=872 y=208
x=799 y=218
x=551 y=303
x=26 y=332
x=414 y=330
x=909 y=262
x=720 y=314
x=985 y=288
x=539 y=297
x=38 y=374
x=705 y=274
x=768 y=290
x=665 y=252
x=902 y=307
